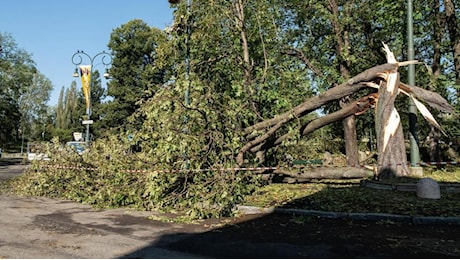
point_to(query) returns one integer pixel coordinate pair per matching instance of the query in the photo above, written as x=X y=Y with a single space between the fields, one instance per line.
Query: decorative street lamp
x=87 y=82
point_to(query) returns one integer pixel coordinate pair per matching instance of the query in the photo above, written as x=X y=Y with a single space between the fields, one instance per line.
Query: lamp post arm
x=77 y=58
x=104 y=55
x=78 y=55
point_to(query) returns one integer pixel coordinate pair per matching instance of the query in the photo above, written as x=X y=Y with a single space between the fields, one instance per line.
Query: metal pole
x=88 y=109
x=414 y=150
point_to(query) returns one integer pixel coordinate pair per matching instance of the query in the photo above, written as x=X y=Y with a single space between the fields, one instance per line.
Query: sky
x=53 y=30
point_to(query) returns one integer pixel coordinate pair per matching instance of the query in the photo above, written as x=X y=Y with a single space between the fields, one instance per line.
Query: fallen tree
x=260 y=136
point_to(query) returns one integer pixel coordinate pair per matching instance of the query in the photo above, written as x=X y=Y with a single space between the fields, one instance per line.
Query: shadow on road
x=300 y=236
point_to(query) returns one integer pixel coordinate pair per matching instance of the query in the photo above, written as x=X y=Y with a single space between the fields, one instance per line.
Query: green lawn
x=349 y=196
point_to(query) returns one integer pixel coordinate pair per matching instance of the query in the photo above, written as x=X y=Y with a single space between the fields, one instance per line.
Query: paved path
x=10 y=168
x=47 y=228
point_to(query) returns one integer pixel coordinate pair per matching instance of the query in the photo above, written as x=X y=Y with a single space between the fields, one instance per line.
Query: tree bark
x=356 y=107
x=327 y=173
x=350 y=137
x=454 y=35
x=342 y=46
x=433 y=144
x=240 y=20
x=392 y=159
x=433 y=99
x=438 y=30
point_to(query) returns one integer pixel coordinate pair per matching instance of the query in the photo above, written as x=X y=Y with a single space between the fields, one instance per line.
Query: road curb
x=249 y=210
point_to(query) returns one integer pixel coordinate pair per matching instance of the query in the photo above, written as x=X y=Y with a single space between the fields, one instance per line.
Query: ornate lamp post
x=87 y=81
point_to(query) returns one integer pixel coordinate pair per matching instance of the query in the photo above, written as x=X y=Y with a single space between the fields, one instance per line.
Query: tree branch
x=312 y=103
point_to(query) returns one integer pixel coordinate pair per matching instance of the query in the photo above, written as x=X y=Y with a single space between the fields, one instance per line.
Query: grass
x=340 y=196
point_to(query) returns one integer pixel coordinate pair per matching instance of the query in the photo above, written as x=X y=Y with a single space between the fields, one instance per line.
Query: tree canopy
x=133 y=46
x=23 y=94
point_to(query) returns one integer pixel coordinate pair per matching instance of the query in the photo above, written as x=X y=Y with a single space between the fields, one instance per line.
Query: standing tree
x=68 y=113
x=33 y=107
x=453 y=28
x=17 y=70
x=133 y=71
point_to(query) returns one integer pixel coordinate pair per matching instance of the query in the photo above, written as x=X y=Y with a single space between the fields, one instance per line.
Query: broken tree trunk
x=265 y=135
x=392 y=159
x=260 y=132
x=354 y=84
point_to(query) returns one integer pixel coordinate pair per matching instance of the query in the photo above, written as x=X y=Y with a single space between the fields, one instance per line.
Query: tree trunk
x=342 y=46
x=438 y=30
x=433 y=143
x=350 y=137
x=240 y=20
x=308 y=173
x=454 y=35
x=436 y=68
x=392 y=158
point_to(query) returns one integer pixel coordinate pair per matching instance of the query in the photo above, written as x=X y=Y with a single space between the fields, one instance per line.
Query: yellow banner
x=85 y=73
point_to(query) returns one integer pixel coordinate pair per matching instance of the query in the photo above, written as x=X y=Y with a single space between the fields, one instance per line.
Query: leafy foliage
x=133 y=47
x=100 y=177
x=33 y=107
x=16 y=77
x=67 y=113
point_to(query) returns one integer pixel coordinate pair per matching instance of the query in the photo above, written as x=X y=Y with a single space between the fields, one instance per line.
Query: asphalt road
x=10 y=167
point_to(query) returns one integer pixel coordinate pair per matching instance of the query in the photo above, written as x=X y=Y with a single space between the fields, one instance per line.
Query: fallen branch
x=356 y=107
x=328 y=173
x=335 y=93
